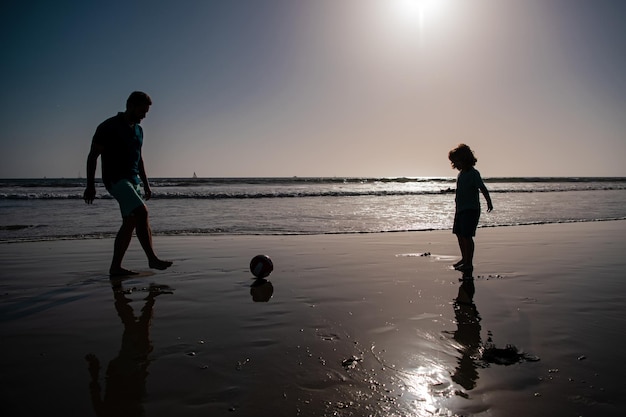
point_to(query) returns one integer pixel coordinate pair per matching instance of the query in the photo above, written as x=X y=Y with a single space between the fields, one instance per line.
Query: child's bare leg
x=462 y=248
x=468 y=252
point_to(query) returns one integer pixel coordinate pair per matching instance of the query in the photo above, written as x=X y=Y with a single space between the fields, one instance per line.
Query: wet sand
x=346 y=325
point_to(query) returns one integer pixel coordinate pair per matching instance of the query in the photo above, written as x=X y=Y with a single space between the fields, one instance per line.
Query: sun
x=418 y=13
x=415 y=25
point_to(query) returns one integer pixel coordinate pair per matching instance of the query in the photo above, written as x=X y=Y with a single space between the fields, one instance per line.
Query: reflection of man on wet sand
x=468 y=335
x=126 y=374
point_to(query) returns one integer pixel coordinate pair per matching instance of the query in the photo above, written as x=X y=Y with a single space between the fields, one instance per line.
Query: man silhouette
x=118 y=141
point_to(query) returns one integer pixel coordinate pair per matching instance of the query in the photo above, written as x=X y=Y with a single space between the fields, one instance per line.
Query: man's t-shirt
x=468 y=184
x=121 y=153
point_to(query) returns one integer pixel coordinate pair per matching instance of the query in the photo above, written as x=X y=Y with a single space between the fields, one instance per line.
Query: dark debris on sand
x=509 y=355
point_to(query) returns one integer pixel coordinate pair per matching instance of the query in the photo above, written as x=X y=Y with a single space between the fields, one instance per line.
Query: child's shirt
x=468 y=184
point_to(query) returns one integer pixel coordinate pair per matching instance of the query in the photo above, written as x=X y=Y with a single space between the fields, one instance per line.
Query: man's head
x=137 y=106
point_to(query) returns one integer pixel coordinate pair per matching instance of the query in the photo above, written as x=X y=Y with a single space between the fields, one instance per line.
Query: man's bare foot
x=159 y=264
x=121 y=272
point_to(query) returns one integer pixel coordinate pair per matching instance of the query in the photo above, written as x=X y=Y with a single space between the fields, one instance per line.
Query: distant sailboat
x=194 y=175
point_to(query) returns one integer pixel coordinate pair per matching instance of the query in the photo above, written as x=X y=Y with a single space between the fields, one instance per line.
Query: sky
x=281 y=88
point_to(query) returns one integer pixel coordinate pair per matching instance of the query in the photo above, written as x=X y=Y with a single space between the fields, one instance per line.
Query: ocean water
x=50 y=209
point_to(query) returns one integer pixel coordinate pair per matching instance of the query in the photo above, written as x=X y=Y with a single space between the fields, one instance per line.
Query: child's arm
x=485 y=192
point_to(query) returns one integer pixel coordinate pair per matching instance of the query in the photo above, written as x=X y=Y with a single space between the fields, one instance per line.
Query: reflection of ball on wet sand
x=261 y=266
x=261 y=290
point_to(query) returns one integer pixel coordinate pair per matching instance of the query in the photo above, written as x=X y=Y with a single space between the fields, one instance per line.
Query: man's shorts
x=127 y=195
x=465 y=223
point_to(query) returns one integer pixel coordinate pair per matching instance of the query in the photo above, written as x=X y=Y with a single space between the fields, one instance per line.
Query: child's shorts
x=127 y=195
x=465 y=223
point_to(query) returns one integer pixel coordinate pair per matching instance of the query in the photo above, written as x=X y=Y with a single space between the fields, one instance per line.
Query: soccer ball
x=261 y=266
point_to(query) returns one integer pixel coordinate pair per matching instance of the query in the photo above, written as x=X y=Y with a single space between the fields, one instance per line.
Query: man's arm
x=92 y=163
x=144 y=179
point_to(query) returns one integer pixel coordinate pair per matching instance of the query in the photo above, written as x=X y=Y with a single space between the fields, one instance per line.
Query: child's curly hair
x=462 y=157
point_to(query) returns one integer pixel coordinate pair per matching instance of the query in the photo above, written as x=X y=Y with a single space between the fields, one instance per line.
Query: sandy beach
x=346 y=325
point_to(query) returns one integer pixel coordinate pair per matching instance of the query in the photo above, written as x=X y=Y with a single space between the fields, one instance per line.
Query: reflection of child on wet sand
x=467 y=202
x=468 y=336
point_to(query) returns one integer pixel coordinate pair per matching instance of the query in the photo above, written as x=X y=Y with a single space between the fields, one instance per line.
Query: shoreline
x=353 y=324
x=161 y=234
